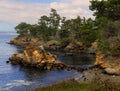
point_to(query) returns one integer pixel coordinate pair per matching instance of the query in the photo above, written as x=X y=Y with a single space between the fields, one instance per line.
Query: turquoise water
x=15 y=78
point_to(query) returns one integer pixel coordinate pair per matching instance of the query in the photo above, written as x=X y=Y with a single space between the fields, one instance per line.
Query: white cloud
x=73 y=8
x=31 y=12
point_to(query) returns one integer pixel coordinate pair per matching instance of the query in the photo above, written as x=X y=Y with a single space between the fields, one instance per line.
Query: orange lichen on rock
x=111 y=65
x=50 y=57
x=100 y=61
x=37 y=56
x=30 y=49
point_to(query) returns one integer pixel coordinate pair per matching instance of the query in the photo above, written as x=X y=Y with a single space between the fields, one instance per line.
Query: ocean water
x=16 y=78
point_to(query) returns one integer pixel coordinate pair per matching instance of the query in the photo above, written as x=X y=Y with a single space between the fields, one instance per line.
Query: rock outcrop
x=76 y=47
x=24 y=41
x=37 y=57
x=110 y=64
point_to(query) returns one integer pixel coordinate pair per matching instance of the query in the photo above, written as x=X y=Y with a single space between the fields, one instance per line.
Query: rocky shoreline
x=37 y=57
x=107 y=64
x=53 y=45
x=106 y=70
x=98 y=75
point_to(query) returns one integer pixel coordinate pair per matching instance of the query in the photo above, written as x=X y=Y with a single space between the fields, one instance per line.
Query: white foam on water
x=15 y=83
x=78 y=76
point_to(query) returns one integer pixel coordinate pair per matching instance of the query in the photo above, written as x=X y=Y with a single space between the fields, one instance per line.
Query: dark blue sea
x=16 y=78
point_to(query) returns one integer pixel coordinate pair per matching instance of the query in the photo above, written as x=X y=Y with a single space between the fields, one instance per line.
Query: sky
x=12 y=12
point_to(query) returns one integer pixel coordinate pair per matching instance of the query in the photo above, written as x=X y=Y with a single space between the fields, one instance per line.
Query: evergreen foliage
x=106 y=8
x=107 y=20
x=55 y=27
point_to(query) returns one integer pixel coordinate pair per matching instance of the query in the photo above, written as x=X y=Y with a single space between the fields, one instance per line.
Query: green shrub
x=109 y=41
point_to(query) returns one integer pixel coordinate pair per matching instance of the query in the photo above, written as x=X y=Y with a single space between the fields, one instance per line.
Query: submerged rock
x=39 y=58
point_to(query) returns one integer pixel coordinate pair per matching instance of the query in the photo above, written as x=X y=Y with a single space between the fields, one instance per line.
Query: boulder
x=112 y=71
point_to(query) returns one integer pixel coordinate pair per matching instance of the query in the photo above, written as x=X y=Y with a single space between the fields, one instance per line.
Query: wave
x=15 y=83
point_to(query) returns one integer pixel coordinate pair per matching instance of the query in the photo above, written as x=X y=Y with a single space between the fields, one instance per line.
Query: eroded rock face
x=34 y=57
x=111 y=65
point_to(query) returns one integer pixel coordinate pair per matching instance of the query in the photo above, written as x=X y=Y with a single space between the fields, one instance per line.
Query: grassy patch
x=72 y=85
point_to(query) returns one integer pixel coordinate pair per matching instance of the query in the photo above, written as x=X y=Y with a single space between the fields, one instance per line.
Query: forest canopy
x=55 y=27
x=105 y=28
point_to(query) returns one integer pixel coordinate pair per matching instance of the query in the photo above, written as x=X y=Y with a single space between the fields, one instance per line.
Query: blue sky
x=12 y=12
